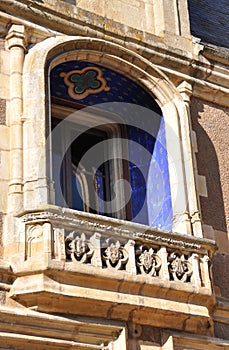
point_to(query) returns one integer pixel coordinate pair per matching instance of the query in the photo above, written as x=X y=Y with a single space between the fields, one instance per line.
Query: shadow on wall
x=206 y=124
x=211 y=126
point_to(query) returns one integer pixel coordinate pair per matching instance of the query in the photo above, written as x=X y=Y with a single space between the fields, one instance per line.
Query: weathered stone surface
x=2 y=112
x=211 y=124
x=221 y=330
x=221 y=274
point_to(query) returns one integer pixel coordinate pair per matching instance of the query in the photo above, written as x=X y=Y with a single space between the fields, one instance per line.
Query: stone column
x=185 y=90
x=16 y=45
x=178 y=184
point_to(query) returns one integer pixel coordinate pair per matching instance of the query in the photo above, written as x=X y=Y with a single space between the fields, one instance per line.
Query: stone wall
x=221 y=330
x=211 y=124
x=2 y=100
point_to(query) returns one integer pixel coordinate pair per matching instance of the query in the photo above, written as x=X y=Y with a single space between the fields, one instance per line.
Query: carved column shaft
x=16 y=41
x=193 y=207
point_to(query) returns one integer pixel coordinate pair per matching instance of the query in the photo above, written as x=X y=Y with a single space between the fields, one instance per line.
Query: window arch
x=43 y=57
x=128 y=176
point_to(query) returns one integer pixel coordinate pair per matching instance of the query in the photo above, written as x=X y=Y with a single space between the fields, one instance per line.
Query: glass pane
x=149 y=177
x=77 y=196
x=100 y=190
x=57 y=178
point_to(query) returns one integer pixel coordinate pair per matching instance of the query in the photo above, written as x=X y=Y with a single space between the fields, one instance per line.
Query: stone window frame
x=38 y=62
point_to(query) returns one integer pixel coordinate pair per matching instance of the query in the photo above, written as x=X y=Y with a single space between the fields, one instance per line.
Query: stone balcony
x=85 y=264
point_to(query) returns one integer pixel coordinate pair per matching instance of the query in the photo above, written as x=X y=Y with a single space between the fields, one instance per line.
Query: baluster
x=164 y=272
x=196 y=270
x=96 y=243
x=131 y=264
x=206 y=276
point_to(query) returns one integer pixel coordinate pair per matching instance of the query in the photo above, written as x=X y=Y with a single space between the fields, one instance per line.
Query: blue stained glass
x=148 y=160
x=122 y=89
x=99 y=188
x=139 y=159
x=158 y=191
x=149 y=177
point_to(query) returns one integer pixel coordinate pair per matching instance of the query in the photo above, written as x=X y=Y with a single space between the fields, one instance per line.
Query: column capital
x=16 y=36
x=185 y=90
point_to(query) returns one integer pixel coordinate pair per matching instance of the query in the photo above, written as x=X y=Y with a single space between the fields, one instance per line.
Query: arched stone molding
x=45 y=55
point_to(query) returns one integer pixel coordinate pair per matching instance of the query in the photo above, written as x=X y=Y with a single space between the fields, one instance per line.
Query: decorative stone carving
x=34 y=233
x=179 y=268
x=78 y=249
x=164 y=254
x=148 y=261
x=168 y=240
x=115 y=256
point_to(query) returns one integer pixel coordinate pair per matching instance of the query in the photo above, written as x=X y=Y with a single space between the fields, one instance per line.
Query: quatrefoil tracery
x=115 y=256
x=78 y=248
x=148 y=261
x=179 y=267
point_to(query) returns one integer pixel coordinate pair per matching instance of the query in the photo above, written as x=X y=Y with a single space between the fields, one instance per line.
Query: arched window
x=109 y=159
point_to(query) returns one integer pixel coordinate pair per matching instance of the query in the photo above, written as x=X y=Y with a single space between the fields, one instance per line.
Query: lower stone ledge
x=171 y=340
x=44 y=294
x=23 y=328
x=221 y=318
x=25 y=342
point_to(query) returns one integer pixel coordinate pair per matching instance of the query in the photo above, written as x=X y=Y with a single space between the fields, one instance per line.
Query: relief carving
x=180 y=268
x=115 y=256
x=148 y=261
x=34 y=234
x=78 y=249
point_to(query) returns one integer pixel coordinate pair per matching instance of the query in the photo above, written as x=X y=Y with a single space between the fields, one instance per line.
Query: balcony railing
x=78 y=240
x=94 y=266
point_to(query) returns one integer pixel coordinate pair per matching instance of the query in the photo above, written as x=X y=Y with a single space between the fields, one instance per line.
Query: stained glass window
x=146 y=166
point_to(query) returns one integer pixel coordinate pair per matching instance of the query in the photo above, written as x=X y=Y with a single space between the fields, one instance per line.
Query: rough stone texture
x=2 y=44
x=118 y=10
x=2 y=111
x=2 y=298
x=138 y=334
x=1 y=232
x=221 y=274
x=211 y=124
x=221 y=330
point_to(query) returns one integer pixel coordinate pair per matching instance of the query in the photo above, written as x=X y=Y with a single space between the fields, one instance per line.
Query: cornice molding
x=203 y=68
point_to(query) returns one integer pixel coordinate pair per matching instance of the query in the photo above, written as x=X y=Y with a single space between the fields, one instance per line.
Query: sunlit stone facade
x=113 y=176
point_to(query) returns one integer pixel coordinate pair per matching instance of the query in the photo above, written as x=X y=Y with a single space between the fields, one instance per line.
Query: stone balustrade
x=76 y=241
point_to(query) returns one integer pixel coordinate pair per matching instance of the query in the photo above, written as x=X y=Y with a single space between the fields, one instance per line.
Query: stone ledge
x=44 y=294
x=33 y=328
x=194 y=342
